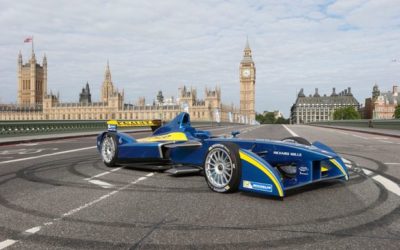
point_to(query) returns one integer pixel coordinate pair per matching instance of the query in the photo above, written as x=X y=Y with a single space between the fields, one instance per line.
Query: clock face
x=246 y=72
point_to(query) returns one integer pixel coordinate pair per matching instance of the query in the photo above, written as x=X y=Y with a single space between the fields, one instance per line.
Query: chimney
x=333 y=92
x=349 y=90
x=395 y=90
x=345 y=92
x=316 y=93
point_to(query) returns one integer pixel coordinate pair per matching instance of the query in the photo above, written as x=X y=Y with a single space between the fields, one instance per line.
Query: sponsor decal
x=143 y=123
x=112 y=128
x=257 y=186
x=303 y=170
x=294 y=154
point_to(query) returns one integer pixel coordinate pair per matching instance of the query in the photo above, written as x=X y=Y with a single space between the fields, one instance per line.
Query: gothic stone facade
x=314 y=108
x=36 y=104
x=382 y=104
x=247 y=84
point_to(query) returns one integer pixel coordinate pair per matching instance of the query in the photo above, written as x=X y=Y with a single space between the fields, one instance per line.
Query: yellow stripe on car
x=175 y=136
x=337 y=164
x=266 y=171
x=324 y=169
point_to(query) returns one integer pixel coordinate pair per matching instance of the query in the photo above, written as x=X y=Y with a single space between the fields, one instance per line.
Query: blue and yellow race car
x=229 y=164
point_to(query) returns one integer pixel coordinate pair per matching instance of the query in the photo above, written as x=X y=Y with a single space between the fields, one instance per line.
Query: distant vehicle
x=229 y=164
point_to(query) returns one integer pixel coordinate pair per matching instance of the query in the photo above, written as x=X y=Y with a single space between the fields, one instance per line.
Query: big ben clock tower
x=247 y=84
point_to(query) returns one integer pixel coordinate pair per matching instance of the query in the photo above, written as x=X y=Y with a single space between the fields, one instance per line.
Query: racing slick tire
x=222 y=167
x=109 y=149
x=297 y=139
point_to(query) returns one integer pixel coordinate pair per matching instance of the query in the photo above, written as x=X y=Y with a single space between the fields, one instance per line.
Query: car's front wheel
x=222 y=167
x=109 y=149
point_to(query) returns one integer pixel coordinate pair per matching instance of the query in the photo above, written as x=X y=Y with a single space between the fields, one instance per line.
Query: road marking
x=97 y=175
x=386 y=141
x=367 y=172
x=86 y=205
x=380 y=138
x=33 y=230
x=7 y=243
x=388 y=184
x=47 y=155
x=101 y=183
x=392 y=163
x=28 y=144
x=362 y=137
x=290 y=131
x=347 y=163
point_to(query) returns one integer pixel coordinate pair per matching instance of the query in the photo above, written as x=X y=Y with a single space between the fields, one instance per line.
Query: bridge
x=58 y=194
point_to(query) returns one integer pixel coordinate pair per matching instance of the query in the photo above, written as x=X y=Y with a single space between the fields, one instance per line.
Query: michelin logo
x=257 y=186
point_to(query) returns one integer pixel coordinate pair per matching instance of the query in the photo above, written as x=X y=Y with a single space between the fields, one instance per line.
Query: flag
x=28 y=40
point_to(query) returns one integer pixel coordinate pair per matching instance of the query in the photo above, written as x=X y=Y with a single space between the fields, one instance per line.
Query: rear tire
x=109 y=149
x=222 y=167
x=298 y=140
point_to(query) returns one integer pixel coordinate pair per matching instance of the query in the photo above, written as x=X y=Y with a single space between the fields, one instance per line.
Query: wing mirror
x=235 y=133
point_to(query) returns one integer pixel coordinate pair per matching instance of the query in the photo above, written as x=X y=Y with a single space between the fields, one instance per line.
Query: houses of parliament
x=36 y=103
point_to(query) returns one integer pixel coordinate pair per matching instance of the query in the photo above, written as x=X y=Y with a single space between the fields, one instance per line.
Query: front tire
x=109 y=149
x=222 y=167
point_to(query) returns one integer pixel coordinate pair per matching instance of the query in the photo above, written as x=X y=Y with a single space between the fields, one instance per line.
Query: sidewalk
x=59 y=136
x=375 y=131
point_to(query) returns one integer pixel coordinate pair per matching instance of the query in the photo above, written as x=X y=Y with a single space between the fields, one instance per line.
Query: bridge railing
x=20 y=128
x=366 y=123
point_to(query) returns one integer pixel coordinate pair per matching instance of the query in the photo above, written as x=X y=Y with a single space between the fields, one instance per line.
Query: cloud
x=165 y=44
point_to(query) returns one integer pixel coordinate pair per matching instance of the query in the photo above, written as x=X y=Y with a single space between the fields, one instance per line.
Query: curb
x=360 y=131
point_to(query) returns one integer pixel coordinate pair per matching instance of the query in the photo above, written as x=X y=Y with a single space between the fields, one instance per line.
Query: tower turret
x=247 y=83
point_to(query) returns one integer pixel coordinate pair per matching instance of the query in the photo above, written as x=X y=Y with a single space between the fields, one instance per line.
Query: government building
x=36 y=103
x=381 y=105
x=315 y=108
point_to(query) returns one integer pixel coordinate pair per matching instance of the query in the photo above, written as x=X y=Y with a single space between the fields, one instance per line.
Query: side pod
x=259 y=176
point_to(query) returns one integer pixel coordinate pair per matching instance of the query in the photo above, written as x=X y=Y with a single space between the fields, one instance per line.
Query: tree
x=269 y=118
x=346 y=113
x=396 y=114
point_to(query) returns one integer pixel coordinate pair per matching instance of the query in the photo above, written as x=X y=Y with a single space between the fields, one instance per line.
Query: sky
x=163 y=45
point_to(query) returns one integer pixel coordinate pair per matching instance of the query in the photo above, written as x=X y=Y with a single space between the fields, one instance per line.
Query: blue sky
x=162 y=45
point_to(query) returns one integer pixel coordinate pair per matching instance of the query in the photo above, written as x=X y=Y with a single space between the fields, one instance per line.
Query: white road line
x=33 y=230
x=47 y=155
x=388 y=184
x=28 y=144
x=290 y=131
x=385 y=141
x=75 y=210
x=101 y=183
x=367 y=172
x=362 y=137
x=7 y=243
x=392 y=163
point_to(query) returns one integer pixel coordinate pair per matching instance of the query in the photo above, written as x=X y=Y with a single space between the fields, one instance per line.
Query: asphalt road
x=59 y=195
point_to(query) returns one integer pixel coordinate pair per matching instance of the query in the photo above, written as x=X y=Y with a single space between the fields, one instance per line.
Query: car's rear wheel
x=222 y=167
x=109 y=149
x=298 y=140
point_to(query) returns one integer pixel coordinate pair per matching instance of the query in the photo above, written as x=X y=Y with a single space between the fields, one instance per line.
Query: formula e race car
x=229 y=164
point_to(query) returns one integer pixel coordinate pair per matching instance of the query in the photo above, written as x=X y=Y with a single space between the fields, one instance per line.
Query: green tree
x=282 y=120
x=346 y=113
x=396 y=114
x=269 y=118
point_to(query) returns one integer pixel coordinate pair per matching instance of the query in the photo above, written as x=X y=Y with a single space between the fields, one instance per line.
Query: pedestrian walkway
x=376 y=131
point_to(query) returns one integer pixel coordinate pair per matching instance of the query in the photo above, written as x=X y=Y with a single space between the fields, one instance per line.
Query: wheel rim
x=108 y=149
x=219 y=167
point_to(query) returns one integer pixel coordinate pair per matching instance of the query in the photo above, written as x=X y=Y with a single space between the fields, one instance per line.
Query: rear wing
x=112 y=125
